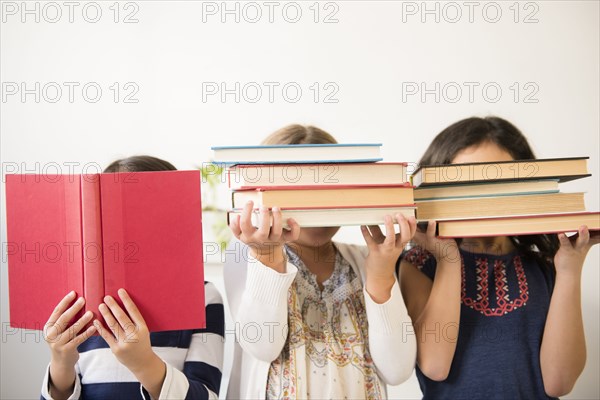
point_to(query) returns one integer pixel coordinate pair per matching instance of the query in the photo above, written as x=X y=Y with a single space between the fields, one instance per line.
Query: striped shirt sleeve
x=203 y=366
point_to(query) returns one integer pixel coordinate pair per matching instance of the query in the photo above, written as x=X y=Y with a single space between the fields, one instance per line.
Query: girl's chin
x=315 y=237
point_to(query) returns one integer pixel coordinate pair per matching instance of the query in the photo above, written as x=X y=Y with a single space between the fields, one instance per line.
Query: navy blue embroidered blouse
x=504 y=303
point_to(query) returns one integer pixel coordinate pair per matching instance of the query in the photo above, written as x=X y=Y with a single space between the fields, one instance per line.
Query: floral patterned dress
x=326 y=355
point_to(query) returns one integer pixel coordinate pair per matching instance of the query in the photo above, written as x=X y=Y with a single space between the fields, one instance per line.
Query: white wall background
x=370 y=53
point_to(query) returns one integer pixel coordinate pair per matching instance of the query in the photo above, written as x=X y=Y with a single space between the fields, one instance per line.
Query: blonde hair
x=299 y=134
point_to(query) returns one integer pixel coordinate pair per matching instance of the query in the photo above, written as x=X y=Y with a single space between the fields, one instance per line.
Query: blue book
x=298 y=153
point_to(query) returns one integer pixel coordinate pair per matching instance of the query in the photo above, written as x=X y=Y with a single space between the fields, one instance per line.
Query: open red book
x=94 y=234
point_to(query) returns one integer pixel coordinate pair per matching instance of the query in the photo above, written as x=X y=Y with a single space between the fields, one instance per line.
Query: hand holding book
x=384 y=251
x=572 y=251
x=266 y=241
x=442 y=249
x=129 y=340
x=127 y=335
x=63 y=340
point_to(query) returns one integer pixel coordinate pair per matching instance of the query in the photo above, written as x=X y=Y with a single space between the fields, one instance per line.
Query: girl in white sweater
x=314 y=318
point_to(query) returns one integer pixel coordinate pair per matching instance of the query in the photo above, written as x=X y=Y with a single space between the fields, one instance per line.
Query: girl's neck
x=314 y=253
x=319 y=260
x=498 y=245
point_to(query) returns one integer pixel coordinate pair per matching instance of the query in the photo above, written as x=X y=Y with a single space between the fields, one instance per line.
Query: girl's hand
x=572 y=252
x=128 y=335
x=383 y=254
x=442 y=249
x=265 y=242
x=63 y=341
x=129 y=340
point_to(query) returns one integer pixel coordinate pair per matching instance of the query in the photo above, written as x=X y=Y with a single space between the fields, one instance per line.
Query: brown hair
x=299 y=134
x=474 y=131
x=139 y=164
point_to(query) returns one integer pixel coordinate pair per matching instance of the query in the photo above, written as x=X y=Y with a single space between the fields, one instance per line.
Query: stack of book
x=317 y=184
x=503 y=198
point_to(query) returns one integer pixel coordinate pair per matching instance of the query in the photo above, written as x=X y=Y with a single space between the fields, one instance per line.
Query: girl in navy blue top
x=496 y=317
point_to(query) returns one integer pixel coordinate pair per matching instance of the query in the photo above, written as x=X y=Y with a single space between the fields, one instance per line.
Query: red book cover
x=97 y=233
x=43 y=216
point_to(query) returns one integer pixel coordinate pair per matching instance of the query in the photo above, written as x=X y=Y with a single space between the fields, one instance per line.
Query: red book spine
x=91 y=232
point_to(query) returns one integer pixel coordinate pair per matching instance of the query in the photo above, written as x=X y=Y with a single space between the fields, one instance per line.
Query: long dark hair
x=139 y=164
x=474 y=131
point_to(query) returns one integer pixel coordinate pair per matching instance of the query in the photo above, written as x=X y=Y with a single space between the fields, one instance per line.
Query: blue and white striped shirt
x=194 y=360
